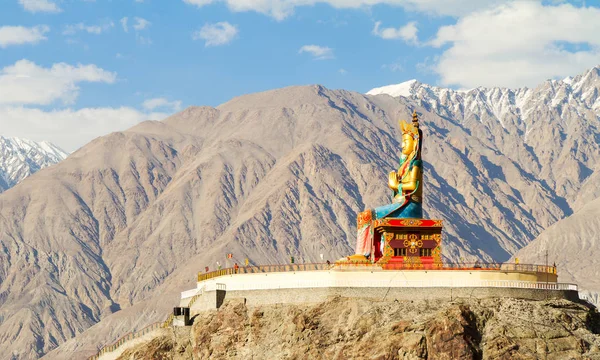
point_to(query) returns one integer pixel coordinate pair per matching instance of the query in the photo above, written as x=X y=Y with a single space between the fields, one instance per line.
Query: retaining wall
x=316 y=295
x=317 y=286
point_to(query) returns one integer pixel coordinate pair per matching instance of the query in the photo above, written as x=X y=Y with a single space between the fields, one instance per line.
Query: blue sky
x=71 y=70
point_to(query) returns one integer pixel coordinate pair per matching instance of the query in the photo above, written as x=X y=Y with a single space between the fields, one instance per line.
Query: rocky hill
x=125 y=222
x=363 y=329
x=20 y=158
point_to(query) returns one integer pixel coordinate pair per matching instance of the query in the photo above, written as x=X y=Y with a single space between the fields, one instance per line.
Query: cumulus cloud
x=92 y=29
x=221 y=33
x=18 y=35
x=141 y=24
x=318 y=52
x=27 y=83
x=24 y=85
x=70 y=128
x=123 y=22
x=518 y=44
x=407 y=32
x=161 y=103
x=280 y=9
x=40 y=6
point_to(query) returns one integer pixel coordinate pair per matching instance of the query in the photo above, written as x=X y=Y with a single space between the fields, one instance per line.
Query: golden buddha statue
x=406 y=184
x=407 y=181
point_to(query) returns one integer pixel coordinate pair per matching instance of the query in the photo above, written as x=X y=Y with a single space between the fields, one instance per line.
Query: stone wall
x=315 y=295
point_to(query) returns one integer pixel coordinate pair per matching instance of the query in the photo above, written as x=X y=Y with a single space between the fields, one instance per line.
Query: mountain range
x=102 y=243
x=20 y=158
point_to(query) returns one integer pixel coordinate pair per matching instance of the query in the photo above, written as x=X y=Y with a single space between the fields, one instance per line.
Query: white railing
x=126 y=339
x=300 y=284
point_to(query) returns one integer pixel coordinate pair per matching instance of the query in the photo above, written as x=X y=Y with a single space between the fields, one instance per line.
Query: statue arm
x=413 y=178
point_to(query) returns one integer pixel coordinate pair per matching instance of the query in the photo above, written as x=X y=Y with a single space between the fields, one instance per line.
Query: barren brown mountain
x=574 y=244
x=110 y=235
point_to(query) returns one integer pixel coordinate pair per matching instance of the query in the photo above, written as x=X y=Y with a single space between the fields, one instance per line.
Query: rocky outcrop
x=344 y=328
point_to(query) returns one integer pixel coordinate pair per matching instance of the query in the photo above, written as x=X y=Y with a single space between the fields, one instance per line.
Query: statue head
x=410 y=138
x=408 y=144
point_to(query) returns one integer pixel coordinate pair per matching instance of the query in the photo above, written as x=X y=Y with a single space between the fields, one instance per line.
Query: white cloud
x=280 y=9
x=519 y=44
x=17 y=35
x=141 y=24
x=343 y=71
x=407 y=32
x=394 y=67
x=27 y=83
x=143 y=40
x=217 y=34
x=161 y=103
x=318 y=52
x=427 y=66
x=92 y=29
x=40 y=6
x=70 y=128
x=123 y=22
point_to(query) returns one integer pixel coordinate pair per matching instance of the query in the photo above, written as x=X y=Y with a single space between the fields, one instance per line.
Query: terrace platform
x=311 y=283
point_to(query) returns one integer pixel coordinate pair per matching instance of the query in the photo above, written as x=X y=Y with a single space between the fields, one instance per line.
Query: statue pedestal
x=407 y=243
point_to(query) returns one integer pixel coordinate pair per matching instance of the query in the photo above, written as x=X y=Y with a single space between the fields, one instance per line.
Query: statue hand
x=393 y=180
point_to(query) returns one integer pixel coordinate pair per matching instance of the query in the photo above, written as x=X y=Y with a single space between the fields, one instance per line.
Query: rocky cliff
x=362 y=329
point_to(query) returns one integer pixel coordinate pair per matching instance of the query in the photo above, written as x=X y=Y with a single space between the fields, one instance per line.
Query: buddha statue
x=407 y=186
x=407 y=182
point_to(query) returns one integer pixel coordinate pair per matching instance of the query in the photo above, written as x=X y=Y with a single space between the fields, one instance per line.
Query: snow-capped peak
x=20 y=158
x=403 y=89
x=575 y=94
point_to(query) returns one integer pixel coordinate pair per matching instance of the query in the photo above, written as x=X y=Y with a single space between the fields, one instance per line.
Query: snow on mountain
x=579 y=93
x=402 y=89
x=20 y=158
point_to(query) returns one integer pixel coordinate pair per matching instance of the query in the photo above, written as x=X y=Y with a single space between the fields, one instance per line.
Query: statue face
x=408 y=144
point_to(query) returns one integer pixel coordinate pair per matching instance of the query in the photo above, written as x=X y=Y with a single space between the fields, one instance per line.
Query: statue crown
x=411 y=129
